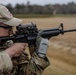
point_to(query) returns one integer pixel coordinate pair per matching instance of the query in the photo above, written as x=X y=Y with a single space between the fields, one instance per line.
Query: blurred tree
x=27 y=8
x=17 y=9
x=28 y=3
x=71 y=8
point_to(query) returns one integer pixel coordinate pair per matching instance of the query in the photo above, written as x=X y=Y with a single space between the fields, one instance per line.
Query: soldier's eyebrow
x=2 y=18
x=6 y=27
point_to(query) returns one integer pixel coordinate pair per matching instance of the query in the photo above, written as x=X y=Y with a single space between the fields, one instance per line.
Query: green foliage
x=33 y=15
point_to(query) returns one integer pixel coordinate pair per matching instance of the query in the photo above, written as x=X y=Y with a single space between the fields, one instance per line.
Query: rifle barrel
x=69 y=30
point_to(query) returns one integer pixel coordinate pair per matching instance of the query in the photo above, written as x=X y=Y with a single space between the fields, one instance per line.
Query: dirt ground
x=62 y=48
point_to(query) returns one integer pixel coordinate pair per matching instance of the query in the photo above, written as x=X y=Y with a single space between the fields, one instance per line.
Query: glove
x=41 y=45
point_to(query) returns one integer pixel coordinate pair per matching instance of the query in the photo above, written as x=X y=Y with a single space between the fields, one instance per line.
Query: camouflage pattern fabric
x=22 y=65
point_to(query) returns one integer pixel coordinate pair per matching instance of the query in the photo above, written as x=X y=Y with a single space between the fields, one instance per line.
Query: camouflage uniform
x=22 y=65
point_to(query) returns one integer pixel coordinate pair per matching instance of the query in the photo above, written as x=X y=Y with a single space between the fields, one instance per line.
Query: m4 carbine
x=28 y=34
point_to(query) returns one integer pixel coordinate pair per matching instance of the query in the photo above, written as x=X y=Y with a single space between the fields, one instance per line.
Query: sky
x=39 y=2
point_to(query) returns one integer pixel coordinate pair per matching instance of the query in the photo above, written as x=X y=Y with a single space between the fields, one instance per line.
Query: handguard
x=43 y=46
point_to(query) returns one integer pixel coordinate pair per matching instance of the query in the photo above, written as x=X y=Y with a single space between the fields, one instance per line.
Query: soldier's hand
x=16 y=49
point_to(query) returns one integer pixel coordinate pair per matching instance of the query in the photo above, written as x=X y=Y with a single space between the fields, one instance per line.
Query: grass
x=32 y=15
x=43 y=15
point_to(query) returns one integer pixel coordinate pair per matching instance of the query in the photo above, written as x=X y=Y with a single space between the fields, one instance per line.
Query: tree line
x=69 y=8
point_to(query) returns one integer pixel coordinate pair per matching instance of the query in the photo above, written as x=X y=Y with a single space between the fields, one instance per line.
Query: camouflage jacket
x=22 y=65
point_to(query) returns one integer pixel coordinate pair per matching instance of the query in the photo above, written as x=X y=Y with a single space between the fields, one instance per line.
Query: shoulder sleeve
x=5 y=62
x=37 y=65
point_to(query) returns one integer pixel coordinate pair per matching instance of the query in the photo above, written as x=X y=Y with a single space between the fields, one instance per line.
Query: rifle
x=28 y=33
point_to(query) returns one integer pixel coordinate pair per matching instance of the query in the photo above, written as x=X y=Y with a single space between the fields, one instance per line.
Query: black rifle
x=28 y=33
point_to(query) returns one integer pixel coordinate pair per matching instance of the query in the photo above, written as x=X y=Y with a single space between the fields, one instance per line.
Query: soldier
x=13 y=58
